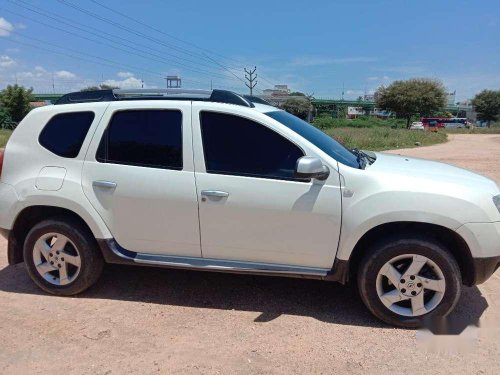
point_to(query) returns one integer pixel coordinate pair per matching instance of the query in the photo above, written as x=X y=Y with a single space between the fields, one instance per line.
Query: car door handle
x=104 y=184
x=214 y=193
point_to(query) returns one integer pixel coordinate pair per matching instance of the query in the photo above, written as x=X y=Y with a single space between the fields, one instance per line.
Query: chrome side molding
x=114 y=253
x=227 y=265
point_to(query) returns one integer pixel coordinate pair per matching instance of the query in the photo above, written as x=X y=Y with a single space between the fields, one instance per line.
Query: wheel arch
x=29 y=217
x=448 y=237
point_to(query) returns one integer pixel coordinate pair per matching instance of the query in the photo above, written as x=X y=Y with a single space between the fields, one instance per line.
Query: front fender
x=362 y=214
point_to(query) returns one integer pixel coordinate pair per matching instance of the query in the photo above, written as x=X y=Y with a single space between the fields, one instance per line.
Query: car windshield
x=324 y=142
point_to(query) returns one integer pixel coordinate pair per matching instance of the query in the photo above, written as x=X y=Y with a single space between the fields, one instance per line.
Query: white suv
x=211 y=180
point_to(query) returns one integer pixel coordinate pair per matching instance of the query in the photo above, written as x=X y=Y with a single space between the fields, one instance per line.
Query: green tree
x=417 y=96
x=5 y=119
x=16 y=101
x=298 y=107
x=487 y=105
x=297 y=93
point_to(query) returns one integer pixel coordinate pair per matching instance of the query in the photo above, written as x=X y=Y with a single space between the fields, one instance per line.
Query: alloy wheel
x=56 y=259
x=410 y=285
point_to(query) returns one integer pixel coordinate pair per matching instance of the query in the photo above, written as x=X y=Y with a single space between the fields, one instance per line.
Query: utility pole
x=251 y=78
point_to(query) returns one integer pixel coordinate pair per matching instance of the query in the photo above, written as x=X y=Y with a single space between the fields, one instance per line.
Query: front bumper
x=483 y=240
x=484 y=268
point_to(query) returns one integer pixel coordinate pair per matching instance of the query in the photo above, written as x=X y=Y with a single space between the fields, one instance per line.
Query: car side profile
x=214 y=181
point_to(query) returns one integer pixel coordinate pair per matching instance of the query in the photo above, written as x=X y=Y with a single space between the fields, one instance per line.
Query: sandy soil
x=160 y=321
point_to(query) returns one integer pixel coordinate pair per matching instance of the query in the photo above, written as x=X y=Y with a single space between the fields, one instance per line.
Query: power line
x=86 y=28
x=99 y=58
x=140 y=34
x=162 y=32
x=132 y=51
x=99 y=33
x=130 y=30
x=109 y=63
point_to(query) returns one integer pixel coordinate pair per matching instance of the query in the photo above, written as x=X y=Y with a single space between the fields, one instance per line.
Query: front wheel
x=403 y=281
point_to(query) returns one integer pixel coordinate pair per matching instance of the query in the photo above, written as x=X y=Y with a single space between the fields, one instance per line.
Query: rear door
x=139 y=176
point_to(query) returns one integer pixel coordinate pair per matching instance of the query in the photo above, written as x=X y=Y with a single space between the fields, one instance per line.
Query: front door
x=139 y=176
x=252 y=208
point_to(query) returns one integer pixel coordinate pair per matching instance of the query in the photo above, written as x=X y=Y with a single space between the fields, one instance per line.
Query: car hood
x=426 y=173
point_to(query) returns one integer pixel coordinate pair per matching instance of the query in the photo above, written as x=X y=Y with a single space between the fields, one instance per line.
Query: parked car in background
x=213 y=181
x=417 y=125
x=455 y=123
x=443 y=122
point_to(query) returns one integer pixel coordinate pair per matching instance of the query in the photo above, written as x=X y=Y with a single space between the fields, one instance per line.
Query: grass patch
x=328 y=122
x=384 y=138
x=4 y=137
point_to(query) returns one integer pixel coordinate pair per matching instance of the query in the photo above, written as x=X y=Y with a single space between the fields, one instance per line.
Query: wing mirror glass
x=311 y=167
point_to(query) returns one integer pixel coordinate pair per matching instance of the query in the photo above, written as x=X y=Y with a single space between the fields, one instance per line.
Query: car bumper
x=483 y=240
x=484 y=268
x=8 y=205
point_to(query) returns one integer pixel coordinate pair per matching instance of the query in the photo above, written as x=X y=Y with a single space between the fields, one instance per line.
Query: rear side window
x=145 y=138
x=64 y=133
x=238 y=146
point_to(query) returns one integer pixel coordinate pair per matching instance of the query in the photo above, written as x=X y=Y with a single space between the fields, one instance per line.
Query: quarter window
x=238 y=146
x=64 y=133
x=146 y=138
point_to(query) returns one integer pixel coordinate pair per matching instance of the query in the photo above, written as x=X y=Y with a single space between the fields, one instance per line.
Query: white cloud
x=44 y=80
x=6 y=61
x=64 y=74
x=5 y=27
x=404 y=69
x=129 y=81
x=125 y=74
x=317 y=60
x=377 y=78
x=354 y=92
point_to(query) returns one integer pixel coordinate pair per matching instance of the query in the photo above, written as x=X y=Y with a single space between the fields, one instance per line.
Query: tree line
x=408 y=98
x=414 y=97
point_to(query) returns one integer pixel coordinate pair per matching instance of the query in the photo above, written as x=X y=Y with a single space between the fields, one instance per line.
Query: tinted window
x=64 y=133
x=147 y=138
x=324 y=142
x=235 y=145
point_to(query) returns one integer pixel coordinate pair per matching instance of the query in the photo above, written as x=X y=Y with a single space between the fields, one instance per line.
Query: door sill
x=114 y=253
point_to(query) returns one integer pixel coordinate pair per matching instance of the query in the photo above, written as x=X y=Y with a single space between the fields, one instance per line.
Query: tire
x=77 y=263
x=437 y=286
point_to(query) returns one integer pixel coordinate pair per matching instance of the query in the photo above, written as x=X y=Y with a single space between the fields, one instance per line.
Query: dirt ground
x=141 y=320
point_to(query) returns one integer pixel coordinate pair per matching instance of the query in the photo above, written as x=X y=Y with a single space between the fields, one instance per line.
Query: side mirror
x=311 y=167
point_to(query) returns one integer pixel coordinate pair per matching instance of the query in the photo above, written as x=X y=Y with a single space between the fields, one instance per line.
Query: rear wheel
x=403 y=281
x=62 y=257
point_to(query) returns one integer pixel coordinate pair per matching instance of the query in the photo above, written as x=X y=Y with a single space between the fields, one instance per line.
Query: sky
x=324 y=48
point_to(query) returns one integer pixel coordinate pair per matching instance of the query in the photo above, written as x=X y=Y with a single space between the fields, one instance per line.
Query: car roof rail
x=256 y=100
x=219 y=96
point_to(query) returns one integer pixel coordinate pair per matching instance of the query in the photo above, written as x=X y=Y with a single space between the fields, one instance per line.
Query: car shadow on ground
x=270 y=296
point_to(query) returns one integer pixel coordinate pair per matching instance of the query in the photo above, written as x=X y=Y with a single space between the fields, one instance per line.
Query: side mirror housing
x=311 y=167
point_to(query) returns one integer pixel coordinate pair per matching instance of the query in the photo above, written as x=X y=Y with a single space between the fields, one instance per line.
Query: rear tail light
x=2 y=152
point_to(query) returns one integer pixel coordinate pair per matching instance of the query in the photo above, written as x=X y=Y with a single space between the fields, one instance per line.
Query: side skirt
x=114 y=253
